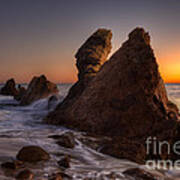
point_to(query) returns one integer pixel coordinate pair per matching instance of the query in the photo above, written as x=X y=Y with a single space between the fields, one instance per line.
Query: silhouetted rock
x=32 y=154
x=90 y=57
x=9 y=89
x=38 y=88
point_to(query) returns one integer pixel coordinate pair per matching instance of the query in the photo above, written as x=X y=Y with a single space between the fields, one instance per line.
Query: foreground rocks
x=32 y=154
x=38 y=88
x=90 y=57
x=139 y=174
x=25 y=175
x=127 y=98
x=9 y=88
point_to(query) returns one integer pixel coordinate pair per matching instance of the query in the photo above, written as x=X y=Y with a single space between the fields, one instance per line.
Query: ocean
x=21 y=126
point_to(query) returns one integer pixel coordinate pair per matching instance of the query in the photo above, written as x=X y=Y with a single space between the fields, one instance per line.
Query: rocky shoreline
x=123 y=100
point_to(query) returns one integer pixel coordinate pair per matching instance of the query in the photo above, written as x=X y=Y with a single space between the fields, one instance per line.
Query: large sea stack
x=127 y=97
x=90 y=57
x=38 y=88
x=9 y=88
x=126 y=100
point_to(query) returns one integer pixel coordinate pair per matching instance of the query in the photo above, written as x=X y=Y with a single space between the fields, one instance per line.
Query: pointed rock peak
x=101 y=37
x=139 y=34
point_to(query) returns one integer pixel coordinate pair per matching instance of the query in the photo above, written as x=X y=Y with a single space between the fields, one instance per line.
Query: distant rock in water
x=21 y=93
x=90 y=57
x=127 y=99
x=38 y=88
x=9 y=89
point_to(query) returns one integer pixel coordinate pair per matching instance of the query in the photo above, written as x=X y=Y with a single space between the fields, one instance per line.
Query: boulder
x=32 y=154
x=67 y=140
x=38 y=88
x=90 y=57
x=14 y=165
x=9 y=88
x=64 y=162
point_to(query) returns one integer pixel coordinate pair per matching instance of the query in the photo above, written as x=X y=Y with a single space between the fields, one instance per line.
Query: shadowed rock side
x=38 y=88
x=90 y=57
x=126 y=99
x=9 y=89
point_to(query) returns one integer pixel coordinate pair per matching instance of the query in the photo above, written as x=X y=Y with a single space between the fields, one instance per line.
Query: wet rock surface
x=32 y=154
x=9 y=88
x=25 y=175
x=38 y=88
x=14 y=165
x=64 y=162
x=139 y=174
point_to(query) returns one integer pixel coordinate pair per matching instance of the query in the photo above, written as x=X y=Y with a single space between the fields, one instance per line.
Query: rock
x=56 y=177
x=12 y=165
x=20 y=94
x=127 y=98
x=124 y=148
x=32 y=154
x=25 y=175
x=66 y=140
x=38 y=88
x=64 y=162
x=9 y=89
x=90 y=57
x=139 y=174
x=93 y=53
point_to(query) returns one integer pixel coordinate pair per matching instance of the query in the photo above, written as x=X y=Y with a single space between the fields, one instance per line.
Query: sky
x=42 y=36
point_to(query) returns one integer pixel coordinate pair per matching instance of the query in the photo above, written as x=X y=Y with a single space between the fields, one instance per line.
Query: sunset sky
x=42 y=36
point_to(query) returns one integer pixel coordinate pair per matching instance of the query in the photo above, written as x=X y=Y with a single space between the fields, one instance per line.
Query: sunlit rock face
x=90 y=57
x=38 y=88
x=9 y=88
x=126 y=98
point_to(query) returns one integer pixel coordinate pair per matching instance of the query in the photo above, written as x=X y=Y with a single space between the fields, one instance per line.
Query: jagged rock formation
x=126 y=99
x=90 y=57
x=10 y=88
x=38 y=88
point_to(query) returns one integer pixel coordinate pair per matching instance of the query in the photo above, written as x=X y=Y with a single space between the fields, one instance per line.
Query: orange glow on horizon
x=169 y=65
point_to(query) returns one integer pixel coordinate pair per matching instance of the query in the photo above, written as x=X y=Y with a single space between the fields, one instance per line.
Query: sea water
x=21 y=126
